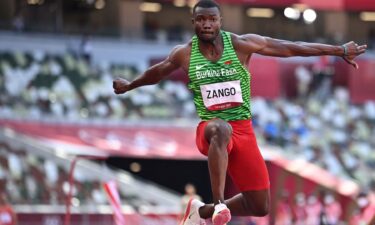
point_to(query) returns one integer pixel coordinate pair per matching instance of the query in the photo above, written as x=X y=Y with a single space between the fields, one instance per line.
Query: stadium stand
x=61 y=86
x=36 y=181
x=334 y=134
x=33 y=174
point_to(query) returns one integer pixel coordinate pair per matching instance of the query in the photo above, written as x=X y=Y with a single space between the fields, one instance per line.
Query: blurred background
x=65 y=136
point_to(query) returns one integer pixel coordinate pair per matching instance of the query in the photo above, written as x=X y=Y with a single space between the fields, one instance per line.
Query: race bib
x=220 y=96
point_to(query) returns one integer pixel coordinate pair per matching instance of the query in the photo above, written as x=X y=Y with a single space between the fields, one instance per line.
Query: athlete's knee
x=261 y=210
x=254 y=208
x=218 y=130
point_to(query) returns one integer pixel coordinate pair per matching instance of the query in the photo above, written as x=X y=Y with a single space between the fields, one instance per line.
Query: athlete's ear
x=192 y=20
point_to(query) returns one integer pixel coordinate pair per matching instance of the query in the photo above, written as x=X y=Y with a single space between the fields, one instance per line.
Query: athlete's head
x=207 y=20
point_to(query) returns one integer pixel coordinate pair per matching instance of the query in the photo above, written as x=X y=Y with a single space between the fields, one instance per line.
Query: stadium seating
x=333 y=134
x=29 y=179
x=38 y=85
x=330 y=132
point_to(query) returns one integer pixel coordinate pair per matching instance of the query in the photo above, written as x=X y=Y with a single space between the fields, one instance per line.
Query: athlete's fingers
x=362 y=48
x=119 y=91
x=351 y=43
x=351 y=62
x=354 y=64
x=361 y=51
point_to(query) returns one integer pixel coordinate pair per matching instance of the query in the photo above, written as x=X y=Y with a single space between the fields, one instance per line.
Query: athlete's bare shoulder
x=247 y=43
x=182 y=49
x=180 y=55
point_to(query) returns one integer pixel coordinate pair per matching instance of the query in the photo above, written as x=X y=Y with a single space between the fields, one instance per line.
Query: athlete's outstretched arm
x=152 y=75
x=283 y=48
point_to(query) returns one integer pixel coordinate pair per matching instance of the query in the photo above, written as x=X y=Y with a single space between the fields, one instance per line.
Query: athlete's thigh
x=246 y=165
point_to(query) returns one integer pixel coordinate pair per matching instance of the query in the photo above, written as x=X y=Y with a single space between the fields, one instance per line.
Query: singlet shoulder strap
x=228 y=37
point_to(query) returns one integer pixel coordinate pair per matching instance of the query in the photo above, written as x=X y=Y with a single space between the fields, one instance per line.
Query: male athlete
x=215 y=62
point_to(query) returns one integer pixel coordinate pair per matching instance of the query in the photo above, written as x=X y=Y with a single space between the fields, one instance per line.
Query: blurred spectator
x=7 y=215
x=304 y=77
x=331 y=209
x=86 y=48
x=283 y=215
x=271 y=132
x=321 y=83
x=299 y=209
x=365 y=212
x=190 y=192
x=18 y=22
x=314 y=209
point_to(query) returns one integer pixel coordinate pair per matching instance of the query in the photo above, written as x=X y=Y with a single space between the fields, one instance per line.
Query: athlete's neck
x=213 y=48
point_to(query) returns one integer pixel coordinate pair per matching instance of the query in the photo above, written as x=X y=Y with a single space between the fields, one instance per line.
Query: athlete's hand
x=120 y=85
x=351 y=51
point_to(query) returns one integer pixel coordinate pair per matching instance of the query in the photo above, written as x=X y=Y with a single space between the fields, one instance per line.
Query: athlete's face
x=207 y=23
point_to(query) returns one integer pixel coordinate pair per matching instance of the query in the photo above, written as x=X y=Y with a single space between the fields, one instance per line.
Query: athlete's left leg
x=248 y=170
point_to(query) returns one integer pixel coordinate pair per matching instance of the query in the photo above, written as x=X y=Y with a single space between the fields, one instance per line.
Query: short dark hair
x=206 y=4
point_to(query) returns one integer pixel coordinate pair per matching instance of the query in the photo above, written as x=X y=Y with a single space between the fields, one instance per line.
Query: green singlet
x=221 y=89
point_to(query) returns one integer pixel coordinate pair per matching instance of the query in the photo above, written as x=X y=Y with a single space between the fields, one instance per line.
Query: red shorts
x=246 y=165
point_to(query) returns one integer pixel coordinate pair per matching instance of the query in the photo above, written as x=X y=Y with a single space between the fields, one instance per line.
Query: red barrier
x=362 y=82
x=265 y=77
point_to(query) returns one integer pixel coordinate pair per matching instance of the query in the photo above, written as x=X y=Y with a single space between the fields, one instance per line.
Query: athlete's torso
x=221 y=88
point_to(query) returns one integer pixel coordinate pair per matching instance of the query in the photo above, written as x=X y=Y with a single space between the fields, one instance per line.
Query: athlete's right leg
x=217 y=133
